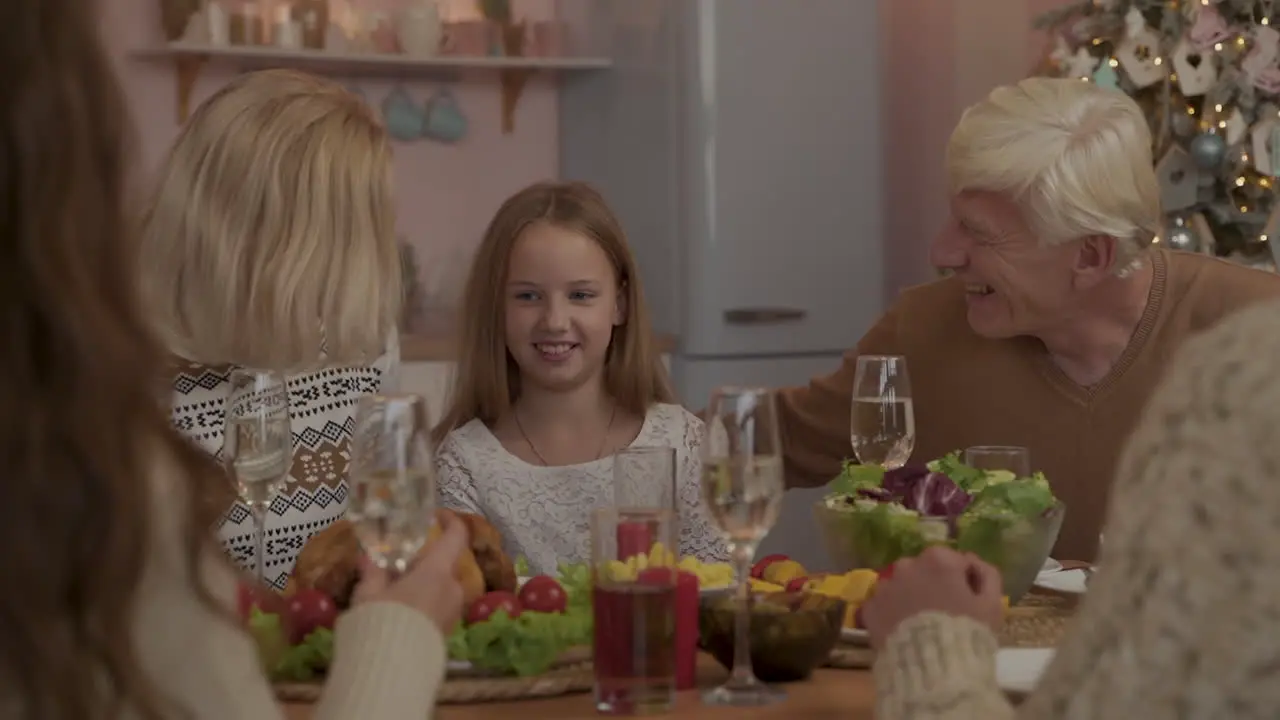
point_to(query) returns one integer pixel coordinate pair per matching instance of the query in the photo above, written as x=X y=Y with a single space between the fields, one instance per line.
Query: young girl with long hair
x=558 y=371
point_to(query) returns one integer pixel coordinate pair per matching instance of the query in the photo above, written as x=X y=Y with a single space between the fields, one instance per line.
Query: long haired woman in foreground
x=118 y=603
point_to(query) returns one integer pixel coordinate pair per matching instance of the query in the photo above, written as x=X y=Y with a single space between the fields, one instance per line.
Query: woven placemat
x=571 y=673
x=1040 y=620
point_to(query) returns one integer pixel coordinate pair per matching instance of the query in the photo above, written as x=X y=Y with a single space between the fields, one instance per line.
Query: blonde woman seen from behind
x=119 y=604
x=269 y=243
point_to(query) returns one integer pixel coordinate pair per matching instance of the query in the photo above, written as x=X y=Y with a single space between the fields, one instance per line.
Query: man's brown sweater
x=968 y=390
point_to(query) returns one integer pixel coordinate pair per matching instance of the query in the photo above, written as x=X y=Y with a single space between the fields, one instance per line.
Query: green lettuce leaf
x=854 y=477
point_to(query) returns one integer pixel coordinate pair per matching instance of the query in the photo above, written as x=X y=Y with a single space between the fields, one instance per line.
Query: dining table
x=828 y=693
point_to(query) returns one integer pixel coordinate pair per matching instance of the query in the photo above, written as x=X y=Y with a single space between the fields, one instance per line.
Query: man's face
x=1014 y=285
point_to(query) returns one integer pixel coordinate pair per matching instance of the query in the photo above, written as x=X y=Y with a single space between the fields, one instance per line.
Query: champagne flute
x=257 y=446
x=742 y=485
x=393 y=482
x=882 y=422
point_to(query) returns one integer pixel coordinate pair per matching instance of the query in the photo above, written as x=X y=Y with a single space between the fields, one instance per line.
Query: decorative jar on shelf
x=313 y=16
x=419 y=29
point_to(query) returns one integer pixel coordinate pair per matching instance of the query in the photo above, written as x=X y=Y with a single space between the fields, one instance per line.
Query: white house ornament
x=1235 y=127
x=1196 y=70
x=1139 y=51
x=1178 y=178
x=1263 y=136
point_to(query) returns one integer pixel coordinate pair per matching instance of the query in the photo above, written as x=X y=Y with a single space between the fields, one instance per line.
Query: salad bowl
x=871 y=518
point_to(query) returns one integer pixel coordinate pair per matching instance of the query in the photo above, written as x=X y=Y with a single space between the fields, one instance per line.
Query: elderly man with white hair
x=1059 y=314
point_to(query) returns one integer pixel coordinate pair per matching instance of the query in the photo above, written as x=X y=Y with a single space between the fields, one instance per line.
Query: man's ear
x=1095 y=259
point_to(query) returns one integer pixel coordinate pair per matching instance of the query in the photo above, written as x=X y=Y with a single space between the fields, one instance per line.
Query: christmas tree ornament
x=1263 y=54
x=1208 y=150
x=1105 y=76
x=1178 y=235
x=1260 y=136
x=1234 y=127
x=1081 y=64
x=1208 y=28
x=1139 y=52
x=1177 y=175
x=1195 y=69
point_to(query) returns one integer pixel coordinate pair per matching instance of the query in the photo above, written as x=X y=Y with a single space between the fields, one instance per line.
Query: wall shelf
x=514 y=71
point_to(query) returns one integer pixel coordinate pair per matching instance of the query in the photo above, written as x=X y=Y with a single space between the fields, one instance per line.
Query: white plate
x=1019 y=669
x=856 y=636
x=1050 y=566
x=1066 y=581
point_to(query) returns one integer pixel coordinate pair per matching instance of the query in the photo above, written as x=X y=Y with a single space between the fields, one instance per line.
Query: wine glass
x=1016 y=460
x=882 y=423
x=257 y=446
x=393 y=481
x=742 y=486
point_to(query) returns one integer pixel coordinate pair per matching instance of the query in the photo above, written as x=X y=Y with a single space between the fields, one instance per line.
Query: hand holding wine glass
x=393 y=486
x=257 y=446
x=882 y=421
x=742 y=486
x=429 y=585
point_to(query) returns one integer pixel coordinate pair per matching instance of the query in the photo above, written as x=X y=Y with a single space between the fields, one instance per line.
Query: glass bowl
x=792 y=633
x=875 y=536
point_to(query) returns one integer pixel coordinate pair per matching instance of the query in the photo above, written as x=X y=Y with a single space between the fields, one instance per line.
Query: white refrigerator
x=739 y=141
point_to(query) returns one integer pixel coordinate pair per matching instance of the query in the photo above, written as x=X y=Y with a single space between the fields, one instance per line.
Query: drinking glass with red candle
x=634 y=612
x=643 y=477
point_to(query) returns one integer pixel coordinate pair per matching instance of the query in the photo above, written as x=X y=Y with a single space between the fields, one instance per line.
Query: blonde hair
x=488 y=380
x=1075 y=157
x=270 y=240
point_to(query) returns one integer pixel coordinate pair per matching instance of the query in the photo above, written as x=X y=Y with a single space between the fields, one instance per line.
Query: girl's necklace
x=604 y=441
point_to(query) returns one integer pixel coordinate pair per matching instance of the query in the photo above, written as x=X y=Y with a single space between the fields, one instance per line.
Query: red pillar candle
x=634 y=538
x=686 y=630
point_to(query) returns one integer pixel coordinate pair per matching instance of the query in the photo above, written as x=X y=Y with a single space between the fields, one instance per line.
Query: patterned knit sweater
x=322 y=407
x=1181 y=618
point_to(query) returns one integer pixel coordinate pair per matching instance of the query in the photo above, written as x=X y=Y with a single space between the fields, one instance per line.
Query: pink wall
x=446 y=193
x=940 y=57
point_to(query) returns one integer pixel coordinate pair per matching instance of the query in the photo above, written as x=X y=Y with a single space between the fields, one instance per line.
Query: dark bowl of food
x=792 y=633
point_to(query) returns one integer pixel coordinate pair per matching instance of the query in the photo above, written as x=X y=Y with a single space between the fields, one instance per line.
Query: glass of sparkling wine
x=257 y=446
x=393 y=483
x=742 y=486
x=883 y=424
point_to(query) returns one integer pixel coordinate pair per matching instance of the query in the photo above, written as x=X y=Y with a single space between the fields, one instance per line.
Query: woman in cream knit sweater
x=117 y=603
x=1180 y=619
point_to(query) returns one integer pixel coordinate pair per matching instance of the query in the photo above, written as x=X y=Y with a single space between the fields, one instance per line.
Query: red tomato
x=310 y=609
x=490 y=603
x=253 y=595
x=543 y=594
x=757 y=570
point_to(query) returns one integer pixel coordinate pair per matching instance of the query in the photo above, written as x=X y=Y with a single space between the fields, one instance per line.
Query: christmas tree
x=1206 y=74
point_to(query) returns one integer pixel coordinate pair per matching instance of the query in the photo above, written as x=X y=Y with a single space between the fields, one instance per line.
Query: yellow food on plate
x=710 y=575
x=764 y=586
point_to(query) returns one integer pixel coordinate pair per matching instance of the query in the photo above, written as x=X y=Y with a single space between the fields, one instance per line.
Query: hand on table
x=429 y=585
x=939 y=580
